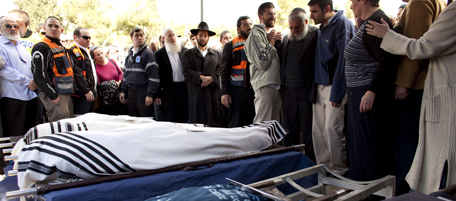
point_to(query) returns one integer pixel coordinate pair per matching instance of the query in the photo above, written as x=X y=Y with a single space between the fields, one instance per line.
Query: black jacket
x=42 y=63
x=207 y=98
x=165 y=72
x=141 y=71
x=307 y=62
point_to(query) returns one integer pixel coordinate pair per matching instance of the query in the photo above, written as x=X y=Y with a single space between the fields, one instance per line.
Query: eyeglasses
x=86 y=37
x=9 y=26
x=297 y=28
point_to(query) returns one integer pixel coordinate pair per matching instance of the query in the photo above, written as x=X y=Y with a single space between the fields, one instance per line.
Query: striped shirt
x=360 y=67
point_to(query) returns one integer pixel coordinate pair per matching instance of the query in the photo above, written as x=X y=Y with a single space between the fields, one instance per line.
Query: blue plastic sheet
x=245 y=171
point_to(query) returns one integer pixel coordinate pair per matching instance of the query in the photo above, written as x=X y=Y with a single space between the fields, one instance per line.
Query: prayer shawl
x=91 y=154
x=86 y=122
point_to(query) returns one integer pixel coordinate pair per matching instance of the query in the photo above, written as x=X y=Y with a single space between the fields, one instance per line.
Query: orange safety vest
x=237 y=77
x=80 y=56
x=63 y=68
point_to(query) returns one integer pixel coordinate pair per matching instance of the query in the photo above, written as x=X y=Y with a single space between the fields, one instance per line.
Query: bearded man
x=171 y=99
x=18 y=101
x=262 y=53
x=199 y=64
x=236 y=90
x=298 y=80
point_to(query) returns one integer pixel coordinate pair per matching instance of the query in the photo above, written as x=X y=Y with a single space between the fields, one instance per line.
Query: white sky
x=216 y=12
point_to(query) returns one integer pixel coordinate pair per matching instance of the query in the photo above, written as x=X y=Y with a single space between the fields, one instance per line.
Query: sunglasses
x=9 y=26
x=86 y=37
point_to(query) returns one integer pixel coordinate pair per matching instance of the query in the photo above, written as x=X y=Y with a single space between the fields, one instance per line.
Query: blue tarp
x=245 y=171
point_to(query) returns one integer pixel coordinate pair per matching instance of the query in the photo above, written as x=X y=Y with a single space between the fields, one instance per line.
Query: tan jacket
x=414 y=21
x=437 y=137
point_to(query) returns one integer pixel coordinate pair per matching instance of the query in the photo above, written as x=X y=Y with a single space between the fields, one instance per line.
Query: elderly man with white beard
x=18 y=101
x=298 y=80
x=171 y=99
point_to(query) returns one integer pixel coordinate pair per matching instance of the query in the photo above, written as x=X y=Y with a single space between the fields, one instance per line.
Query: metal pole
x=202 y=11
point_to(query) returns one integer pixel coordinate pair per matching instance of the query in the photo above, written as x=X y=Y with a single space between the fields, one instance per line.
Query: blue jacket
x=329 y=58
x=141 y=71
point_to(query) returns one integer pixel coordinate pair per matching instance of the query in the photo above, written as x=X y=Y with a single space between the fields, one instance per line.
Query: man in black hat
x=199 y=64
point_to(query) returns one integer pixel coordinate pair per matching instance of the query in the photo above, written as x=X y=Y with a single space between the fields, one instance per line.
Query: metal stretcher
x=351 y=190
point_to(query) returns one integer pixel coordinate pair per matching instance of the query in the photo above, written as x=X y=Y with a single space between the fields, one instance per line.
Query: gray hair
x=166 y=31
x=223 y=33
x=298 y=14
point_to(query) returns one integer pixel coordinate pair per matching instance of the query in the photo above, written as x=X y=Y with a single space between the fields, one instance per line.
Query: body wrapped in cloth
x=91 y=154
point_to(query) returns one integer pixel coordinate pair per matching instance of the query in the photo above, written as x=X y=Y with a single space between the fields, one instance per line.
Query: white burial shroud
x=94 y=153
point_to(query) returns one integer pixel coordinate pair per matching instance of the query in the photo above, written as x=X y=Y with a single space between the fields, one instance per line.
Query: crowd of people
x=342 y=89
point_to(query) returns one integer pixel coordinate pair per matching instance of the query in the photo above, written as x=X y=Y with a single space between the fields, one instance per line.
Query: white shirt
x=16 y=75
x=176 y=65
x=203 y=52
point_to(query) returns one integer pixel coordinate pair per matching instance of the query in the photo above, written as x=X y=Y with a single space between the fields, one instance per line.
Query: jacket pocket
x=433 y=111
x=64 y=85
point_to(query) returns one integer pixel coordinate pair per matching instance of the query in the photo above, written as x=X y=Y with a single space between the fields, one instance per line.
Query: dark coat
x=307 y=62
x=204 y=104
x=165 y=71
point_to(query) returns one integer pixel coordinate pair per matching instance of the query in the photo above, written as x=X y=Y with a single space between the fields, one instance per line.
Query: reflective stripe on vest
x=237 y=77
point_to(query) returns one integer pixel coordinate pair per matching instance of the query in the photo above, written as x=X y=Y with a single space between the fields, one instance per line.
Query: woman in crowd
x=110 y=78
x=435 y=158
x=370 y=74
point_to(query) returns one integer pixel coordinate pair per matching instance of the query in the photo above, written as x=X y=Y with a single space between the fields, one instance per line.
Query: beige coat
x=437 y=138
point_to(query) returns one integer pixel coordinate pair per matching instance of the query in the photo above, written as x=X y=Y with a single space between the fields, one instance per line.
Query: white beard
x=299 y=37
x=173 y=47
x=9 y=36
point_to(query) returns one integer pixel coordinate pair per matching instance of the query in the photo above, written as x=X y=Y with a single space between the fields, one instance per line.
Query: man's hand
x=401 y=92
x=149 y=101
x=122 y=98
x=118 y=83
x=278 y=36
x=335 y=104
x=32 y=86
x=89 y=96
x=158 y=101
x=367 y=102
x=56 y=101
x=205 y=80
x=271 y=37
x=226 y=100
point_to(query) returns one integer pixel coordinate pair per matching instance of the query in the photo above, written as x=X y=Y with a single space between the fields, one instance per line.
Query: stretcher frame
x=355 y=190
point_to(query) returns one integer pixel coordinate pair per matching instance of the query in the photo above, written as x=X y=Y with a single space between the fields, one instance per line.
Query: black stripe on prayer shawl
x=79 y=127
x=59 y=127
x=52 y=127
x=270 y=135
x=35 y=134
x=93 y=160
x=62 y=156
x=69 y=126
x=85 y=126
x=98 y=152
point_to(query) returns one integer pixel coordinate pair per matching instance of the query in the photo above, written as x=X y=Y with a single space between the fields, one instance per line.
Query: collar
x=333 y=18
x=4 y=40
x=139 y=49
x=54 y=40
x=81 y=47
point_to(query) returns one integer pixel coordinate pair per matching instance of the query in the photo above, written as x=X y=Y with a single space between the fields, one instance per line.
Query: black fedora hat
x=202 y=27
